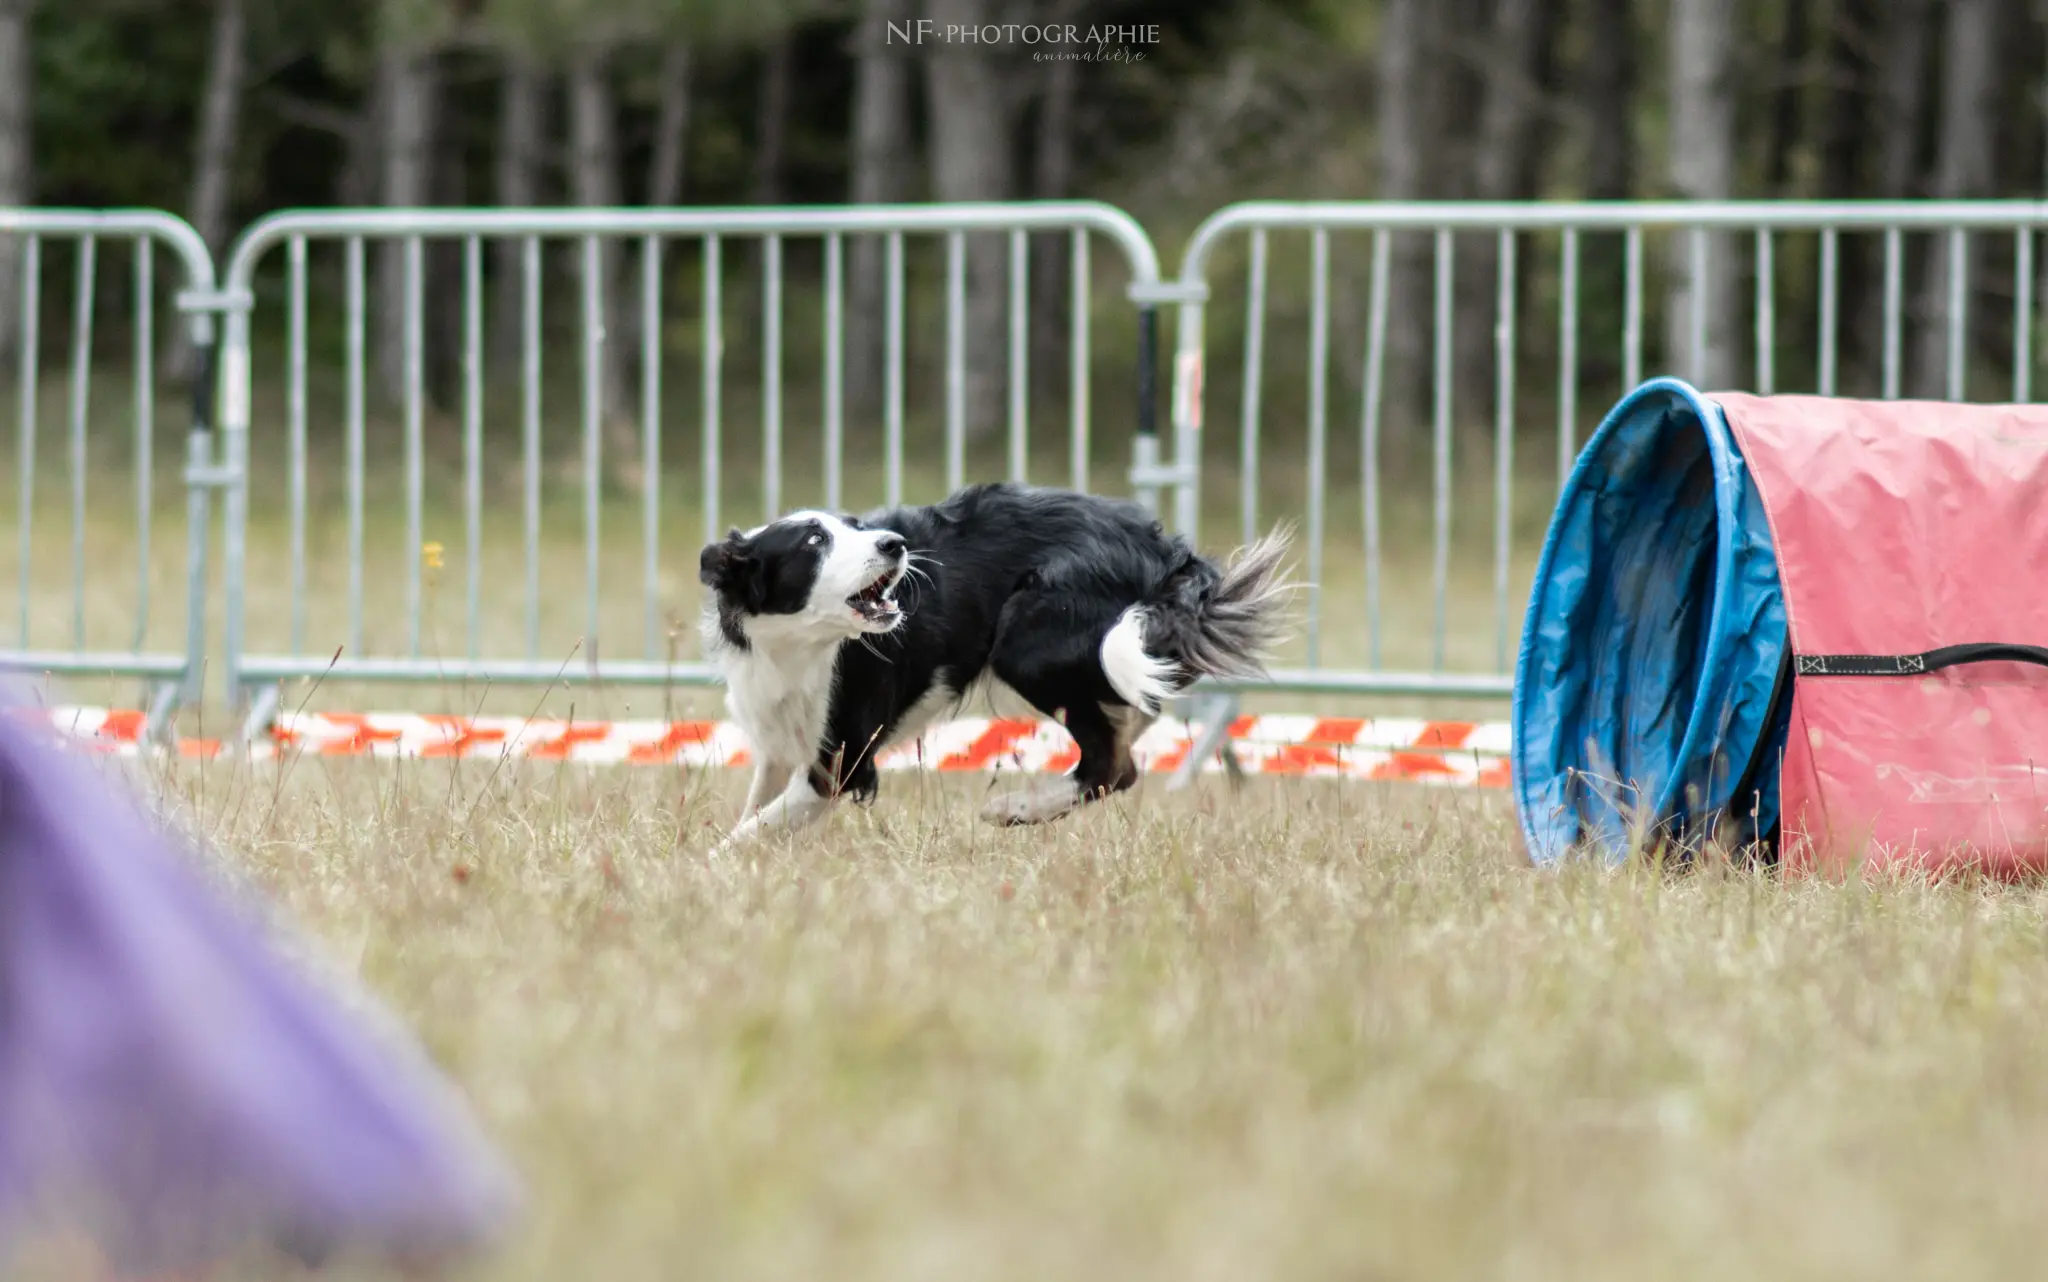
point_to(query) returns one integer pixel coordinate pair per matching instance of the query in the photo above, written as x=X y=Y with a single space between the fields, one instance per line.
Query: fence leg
x=263 y=701
x=164 y=698
x=1213 y=714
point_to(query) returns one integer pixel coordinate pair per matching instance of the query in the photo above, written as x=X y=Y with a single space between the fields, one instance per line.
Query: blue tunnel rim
x=1728 y=467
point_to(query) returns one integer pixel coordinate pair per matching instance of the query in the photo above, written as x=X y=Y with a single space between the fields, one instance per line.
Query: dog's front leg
x=770 y=777
x=799 y=806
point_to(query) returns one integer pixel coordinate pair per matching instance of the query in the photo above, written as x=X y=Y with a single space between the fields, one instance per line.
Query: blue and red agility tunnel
x=1809 y=625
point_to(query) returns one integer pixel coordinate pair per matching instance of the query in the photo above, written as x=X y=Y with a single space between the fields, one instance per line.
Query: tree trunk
x=445 y=319
x=1610 y=79
x=219 y=118
x=1607 y=69
x=1510 y=110
x=17 y=95
x=1903 y=73
x=1906 y=73
x=972 y=160
x=1787 y=96
x=1053 y=179
x=1968 y=128
x=1401 y=165
x=522 y=133
x=594 y=184
x=771 y=142
x=1702 y=115
x=671 y=128
x=1843 y=142
x=407 y=91
x=881 y=154
x=219 y=115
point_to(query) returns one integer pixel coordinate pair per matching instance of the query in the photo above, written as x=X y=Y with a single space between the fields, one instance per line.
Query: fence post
x=1148 y=473
x=204 y=473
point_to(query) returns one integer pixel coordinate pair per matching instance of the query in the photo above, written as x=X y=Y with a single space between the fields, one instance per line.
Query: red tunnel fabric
x=1903 y=527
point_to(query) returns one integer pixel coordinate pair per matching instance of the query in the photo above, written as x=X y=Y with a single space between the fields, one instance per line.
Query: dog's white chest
x=781 y=700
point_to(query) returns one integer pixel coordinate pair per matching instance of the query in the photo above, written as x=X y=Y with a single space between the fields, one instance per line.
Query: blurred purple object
x=172 y=1084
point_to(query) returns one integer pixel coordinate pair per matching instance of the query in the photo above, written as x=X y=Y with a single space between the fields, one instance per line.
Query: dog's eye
x=815 y=540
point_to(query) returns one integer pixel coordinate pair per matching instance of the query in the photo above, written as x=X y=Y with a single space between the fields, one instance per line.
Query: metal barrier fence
x=106 y=634
x=594 y=233
x=1565 y=296
x=1535 y=297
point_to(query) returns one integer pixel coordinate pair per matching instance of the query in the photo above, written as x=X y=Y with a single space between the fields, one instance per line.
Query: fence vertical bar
x=713 y=356
x=1894 y=289
x=1020 y=374
x=1696 y=304
x=1632 y=308
x=1445 y=245
x=352 y=430
x=145 y=425
x=2023 y=316
x=1766 y=314
x=1254 y=372
x=85 y=284
x=771 y=378
x=593 y=433
x=1830 y=273
x=473 y=441
x=1503 y=439
x=295 y=429
x=29 y=343
x=1958 y=313
x=956 y=360
x=529 y=380
x=1077 y=362
x=1567 y=355
x=415 y=434
x=650 y=444
x=1318 y=428
x=835 y=377
x=1373 y=395
x=892 y=418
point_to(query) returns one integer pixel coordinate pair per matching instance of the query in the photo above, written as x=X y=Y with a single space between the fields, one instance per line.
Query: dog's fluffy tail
x=1205 y=623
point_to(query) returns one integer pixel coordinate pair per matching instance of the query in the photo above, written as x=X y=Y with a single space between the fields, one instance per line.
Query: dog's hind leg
x=1105 y=767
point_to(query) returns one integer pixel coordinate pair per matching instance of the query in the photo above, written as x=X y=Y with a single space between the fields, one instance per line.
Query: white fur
x=779 y=689
x=1143 y=681
x=1037 y=804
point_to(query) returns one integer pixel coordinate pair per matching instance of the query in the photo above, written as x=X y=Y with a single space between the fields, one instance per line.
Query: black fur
x=1023 y=583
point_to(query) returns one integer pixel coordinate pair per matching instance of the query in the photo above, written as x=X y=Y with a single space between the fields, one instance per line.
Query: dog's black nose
x=890 y=545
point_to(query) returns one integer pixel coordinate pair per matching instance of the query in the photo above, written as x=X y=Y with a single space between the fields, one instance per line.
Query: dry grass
x=1308 y=1031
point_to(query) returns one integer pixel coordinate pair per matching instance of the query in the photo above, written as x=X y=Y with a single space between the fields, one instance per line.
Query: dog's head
x=808 y=574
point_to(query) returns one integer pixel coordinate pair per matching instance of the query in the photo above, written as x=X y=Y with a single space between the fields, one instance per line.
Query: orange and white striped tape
x=1386 y=748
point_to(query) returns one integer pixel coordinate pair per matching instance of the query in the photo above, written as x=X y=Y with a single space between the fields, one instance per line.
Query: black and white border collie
x=839 y=635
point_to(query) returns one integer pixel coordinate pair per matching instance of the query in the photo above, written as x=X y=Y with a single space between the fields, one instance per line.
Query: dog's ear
x=718 y=560
x=730 y=570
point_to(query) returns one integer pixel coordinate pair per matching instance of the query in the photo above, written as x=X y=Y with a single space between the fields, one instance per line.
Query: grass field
x=1308 y=1031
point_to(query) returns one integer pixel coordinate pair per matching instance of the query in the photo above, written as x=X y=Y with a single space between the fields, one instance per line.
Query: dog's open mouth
x=873 y=603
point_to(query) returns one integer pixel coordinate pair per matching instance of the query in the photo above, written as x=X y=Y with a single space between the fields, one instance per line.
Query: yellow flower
x=430 y=553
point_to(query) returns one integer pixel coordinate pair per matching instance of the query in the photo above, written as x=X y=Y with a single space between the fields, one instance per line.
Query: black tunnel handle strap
x=1913 y=665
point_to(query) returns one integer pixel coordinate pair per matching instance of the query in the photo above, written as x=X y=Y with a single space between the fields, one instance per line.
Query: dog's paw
x=1029 y=805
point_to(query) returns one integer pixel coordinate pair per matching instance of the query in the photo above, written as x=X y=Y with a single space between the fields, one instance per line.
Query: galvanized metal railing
x=1539 y=290
x=651 y=230
x=1696 y=233
x=171 y=675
